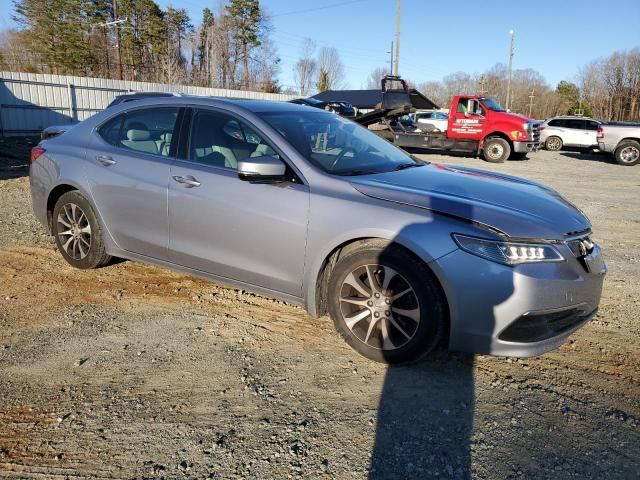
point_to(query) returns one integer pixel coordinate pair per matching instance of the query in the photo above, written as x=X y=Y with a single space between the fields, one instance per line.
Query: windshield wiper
x=404 y=166
x=352 y=173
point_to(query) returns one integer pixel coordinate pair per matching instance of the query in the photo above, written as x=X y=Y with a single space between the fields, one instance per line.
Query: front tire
x=385 y=304
x=628 y=153
x=496 y=150
x=77 y=232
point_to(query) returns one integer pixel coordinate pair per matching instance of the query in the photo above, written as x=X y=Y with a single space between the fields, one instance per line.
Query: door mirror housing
x=262 y=168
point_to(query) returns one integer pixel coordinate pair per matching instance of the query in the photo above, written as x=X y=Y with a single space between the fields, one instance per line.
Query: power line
x=315 y=9
x=319 y=42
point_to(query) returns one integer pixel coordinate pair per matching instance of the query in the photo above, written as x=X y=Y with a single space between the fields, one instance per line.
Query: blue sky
x=441 y=37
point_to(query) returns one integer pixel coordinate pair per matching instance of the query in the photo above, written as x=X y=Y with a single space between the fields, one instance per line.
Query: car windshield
x=336 y=145
x=492 y=105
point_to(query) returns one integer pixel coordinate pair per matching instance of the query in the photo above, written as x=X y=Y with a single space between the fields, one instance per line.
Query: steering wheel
x=341 y=156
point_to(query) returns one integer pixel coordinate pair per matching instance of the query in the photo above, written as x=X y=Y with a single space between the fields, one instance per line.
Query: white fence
x=30 y=102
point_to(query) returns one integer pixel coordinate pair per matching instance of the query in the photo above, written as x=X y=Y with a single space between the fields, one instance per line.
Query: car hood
x=517 y=207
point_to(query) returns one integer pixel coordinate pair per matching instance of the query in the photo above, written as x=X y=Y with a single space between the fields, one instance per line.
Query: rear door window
x=576 y=124
x=146 y=130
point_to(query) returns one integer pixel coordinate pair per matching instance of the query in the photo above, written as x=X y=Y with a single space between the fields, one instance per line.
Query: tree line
x=606 y=88
x=231 y=47
x=137 y=40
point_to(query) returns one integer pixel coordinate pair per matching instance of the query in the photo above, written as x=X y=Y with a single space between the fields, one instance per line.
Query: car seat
x=164 y=144
x=140 y=140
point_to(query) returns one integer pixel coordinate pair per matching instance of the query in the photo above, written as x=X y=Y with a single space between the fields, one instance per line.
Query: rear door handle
x=106 y=160
x=188 y=181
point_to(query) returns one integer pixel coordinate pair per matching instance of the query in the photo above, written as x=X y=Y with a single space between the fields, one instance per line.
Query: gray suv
x=308 y=207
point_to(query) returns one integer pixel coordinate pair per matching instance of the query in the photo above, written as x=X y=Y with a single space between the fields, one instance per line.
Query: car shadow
x=425 y=414
x=14 y=156
x=20 y=125
x=588 y=155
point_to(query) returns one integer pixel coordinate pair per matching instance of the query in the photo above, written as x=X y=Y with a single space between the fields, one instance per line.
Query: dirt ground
x=132 y=371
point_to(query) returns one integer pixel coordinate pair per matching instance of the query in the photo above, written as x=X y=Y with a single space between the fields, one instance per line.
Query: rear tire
x=496 y=150
x=77 y=232
x=371 y=312
x=628 y=153
x=553 y=144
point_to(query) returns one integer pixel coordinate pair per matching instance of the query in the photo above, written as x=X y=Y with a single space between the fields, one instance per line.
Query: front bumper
x=524 y=147
x=519 y=311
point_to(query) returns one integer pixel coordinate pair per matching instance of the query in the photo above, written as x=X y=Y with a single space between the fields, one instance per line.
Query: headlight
x=508 y=253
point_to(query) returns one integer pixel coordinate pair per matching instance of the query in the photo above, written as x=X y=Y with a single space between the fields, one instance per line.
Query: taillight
x=600 y=133
x=36 y=152
x=541 y=128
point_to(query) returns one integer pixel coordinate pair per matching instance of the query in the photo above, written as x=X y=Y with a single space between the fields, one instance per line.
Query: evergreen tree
x=245 y=18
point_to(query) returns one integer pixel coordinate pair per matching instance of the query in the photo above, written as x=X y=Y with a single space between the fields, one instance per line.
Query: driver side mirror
x=263 y=168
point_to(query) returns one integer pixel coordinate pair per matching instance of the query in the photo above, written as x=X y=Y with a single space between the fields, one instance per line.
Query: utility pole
x=391 y=60
x=531 y=104
x=117 y=32
x=396 y=66
x=511 y=50
x=483 y=80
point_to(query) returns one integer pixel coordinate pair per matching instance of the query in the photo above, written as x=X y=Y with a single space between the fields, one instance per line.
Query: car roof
x=149 y=94
x=251 y=105
x=572 y=117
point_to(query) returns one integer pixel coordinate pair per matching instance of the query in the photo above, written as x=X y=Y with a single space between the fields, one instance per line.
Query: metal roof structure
x=368 y=99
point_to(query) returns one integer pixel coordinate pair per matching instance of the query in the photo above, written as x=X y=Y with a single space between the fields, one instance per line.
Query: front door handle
x=188 y=181
x=106 y=160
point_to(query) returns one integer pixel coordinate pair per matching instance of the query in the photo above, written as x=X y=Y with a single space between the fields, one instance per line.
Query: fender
x=315 y=264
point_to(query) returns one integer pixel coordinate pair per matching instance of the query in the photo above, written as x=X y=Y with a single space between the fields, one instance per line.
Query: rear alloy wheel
x=496 y=150
x=386 y=305
x=553 y=144
x=77 y=232
x=628 y=153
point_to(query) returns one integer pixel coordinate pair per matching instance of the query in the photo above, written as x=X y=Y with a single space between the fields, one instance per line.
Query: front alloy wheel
x=385 y=303
x=380 y=307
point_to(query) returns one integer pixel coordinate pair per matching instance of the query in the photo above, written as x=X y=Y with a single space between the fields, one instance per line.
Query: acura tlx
x=308 y=207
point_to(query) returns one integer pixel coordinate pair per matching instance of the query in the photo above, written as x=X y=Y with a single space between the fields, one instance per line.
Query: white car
x=437 y=119
x=559 y=132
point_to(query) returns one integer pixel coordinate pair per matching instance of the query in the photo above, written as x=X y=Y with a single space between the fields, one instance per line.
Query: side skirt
x=211 y=277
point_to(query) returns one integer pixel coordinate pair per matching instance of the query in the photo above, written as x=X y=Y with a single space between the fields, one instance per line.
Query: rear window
x=147 y=130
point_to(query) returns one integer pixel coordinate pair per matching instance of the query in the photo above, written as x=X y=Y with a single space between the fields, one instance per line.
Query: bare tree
x=435 y=92
x=611 y=86
x=373 y=80
x=330 y=69
x=265 y=65
x=304 y=70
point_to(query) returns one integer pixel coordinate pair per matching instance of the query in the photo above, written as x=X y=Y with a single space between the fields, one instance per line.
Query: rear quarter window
x=557 y=123
x=111 y=131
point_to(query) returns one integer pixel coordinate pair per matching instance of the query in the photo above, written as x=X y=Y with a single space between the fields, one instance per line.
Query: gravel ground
x=132 y=371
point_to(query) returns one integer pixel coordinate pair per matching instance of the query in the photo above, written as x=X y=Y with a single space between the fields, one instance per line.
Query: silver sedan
x=308 y=207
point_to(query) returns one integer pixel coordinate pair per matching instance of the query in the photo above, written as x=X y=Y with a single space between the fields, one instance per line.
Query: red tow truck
x=476 y=124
